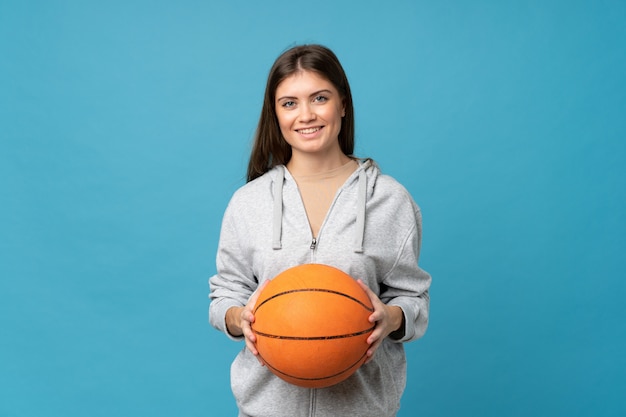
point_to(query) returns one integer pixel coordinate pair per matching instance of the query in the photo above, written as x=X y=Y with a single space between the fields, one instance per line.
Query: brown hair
x=270 y=148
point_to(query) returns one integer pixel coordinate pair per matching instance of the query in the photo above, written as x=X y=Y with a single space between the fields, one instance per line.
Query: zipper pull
x=313 y=243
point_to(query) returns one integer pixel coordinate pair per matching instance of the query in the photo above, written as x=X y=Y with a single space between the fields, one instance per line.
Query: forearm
x=398 y=322
x=233 y=321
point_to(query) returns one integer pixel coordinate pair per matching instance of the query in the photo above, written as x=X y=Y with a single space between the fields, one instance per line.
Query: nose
x=306 y=113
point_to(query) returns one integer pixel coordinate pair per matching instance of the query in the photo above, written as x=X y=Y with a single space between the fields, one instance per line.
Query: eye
x=288 y=104
x=320 y=99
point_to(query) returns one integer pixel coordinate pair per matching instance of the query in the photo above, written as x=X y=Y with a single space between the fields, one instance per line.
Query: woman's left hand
x=387 y=318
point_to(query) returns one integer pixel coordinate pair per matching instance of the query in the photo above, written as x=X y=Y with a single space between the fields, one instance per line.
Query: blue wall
x=125 y=127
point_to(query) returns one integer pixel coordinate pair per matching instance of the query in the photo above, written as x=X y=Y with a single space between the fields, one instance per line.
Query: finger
x=367 y=289
x=374 y=337
x=249 y=335
x=250 y=338
x=372 y=351
x=246 y=317
x=372 y=296
x=377 y=315
x=251 y=345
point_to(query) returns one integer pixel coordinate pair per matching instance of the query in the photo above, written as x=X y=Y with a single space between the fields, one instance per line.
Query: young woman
x=309 y=200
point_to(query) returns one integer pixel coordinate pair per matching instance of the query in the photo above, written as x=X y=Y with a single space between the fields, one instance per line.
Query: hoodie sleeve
x=234 y=282
x=406 y=285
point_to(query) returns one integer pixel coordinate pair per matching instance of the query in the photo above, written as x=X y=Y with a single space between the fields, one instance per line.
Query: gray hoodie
x=373 y=233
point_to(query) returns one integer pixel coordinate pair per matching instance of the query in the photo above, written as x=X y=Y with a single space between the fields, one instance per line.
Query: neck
x=303 y=164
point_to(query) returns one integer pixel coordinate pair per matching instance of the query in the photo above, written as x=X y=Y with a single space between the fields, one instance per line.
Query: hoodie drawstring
x=360 y=213
x=277 y=219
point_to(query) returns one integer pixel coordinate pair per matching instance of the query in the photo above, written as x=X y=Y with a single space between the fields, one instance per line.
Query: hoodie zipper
x=312 y=403
x=313 y=247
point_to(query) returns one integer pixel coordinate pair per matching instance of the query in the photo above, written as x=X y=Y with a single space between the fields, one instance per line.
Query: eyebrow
x=311 y=95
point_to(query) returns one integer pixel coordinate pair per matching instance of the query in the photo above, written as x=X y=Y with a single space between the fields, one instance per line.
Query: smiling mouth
x=309 y=130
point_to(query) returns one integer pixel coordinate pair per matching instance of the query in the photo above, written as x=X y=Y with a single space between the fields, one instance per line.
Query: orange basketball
x=311 y=325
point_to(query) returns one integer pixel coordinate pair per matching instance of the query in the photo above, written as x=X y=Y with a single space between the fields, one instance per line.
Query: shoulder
x=389 y=185
x=386 y=190
x=257 y=188
x=253 y=197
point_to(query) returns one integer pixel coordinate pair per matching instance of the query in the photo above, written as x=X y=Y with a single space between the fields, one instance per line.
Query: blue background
x=125 y=126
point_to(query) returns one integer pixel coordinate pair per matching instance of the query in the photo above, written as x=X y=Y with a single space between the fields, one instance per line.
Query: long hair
x=270 y=148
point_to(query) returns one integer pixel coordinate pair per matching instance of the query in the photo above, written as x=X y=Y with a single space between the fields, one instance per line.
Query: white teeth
x=309 y=130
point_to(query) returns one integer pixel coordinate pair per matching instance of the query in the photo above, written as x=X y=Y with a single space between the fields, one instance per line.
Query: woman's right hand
x=239 y=322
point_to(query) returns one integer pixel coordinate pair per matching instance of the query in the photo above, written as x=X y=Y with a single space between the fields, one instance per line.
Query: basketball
x=311 y=325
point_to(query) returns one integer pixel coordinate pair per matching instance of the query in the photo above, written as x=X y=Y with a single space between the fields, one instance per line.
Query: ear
x=343 y=108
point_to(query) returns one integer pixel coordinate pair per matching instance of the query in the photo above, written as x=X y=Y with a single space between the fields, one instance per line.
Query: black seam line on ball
x=315 y=290
x=339 y=336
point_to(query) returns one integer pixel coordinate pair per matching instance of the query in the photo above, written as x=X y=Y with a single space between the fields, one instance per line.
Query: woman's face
x=309 y=111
